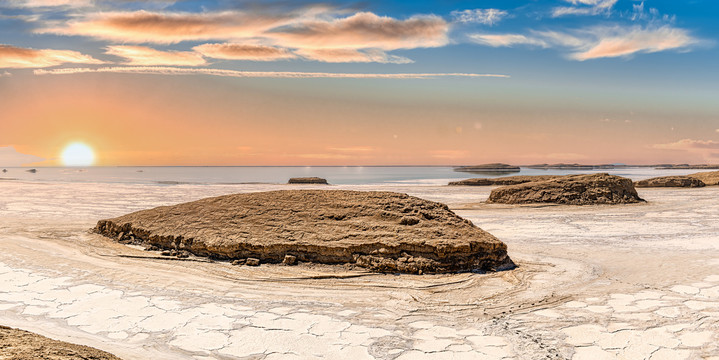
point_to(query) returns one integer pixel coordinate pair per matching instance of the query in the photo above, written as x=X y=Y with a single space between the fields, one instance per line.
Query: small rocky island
x=571 y=190
x=307 y=180
x=489 y=168
x=380 y=231
x=505 y=180
x=670 y=181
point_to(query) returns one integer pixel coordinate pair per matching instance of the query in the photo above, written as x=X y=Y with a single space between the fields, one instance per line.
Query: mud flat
x=593 y=282
x=380 y=231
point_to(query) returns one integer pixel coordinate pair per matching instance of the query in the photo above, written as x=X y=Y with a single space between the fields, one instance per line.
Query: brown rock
x=505 y=180
x=290 y=260
x=709 y=178
x=670 y=181
x=570 y=189
x=307 y=180
x=17 y=344
x=239 y=262
x=269 y=225
x=252 y=262
x=489 y=168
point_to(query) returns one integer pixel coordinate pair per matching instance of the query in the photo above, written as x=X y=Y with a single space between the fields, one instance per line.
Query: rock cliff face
x=23 y=345
x=506 y=180
x=670 y=181
x=307 y=180
x=709 y=178
x=570 y=189
x=381 y=231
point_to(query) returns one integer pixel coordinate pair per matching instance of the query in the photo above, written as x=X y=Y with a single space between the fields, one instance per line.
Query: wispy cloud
x=17 y=58
x=254 y=74
x=364 y=30
x=231 y=51
x=479 y=16
x=167 y=28
x=45 y=3
x=145 y=56
x=449 y=154
x=599 y=42
x=689 y=145
x=353 y=149
x=11 y=157
x=501 y=40
x=352 y=55
x=584 y=7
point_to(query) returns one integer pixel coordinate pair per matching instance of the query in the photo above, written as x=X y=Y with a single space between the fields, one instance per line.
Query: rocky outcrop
x=489 y=168
x=709 y=178
x=506 y=180
x=23 y=345
x=307 y=180
x=381 y=231
x=670 y=181
x=570 y=189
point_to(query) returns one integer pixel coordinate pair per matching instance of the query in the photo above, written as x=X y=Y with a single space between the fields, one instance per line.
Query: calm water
x=410 y=175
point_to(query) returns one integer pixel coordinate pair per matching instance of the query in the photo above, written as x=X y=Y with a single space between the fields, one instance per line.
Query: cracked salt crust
x=68 y=284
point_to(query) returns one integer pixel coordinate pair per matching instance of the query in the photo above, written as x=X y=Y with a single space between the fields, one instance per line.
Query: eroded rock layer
x=505 y=180
x=381 y=231
x=571 y=189
x=670 y=181
x=307 y=180
x=17 y=344
x=710 y=178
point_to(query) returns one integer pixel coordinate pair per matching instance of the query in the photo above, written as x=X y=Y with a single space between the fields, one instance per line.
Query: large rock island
x=493 y=168
x=571 y=189
x=380 y=231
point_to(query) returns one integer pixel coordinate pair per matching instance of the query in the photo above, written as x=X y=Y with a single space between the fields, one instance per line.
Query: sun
x=77 y=154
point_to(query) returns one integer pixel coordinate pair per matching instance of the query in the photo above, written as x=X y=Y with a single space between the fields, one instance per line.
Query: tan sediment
x=710 y=178
x=17 y=344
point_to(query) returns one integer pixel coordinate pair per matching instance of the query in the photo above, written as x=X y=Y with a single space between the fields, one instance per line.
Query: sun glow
x=77 y=154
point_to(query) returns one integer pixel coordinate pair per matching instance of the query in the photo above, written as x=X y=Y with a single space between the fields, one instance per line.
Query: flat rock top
x=670 y=181
x=382 y=231
x=707 y=177
x=571 y=189
x=23 y=345
x=504 y=180
x=307 y=180
x=488 y=167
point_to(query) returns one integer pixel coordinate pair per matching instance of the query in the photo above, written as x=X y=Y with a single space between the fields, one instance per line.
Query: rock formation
x=506 y=180
x=489 y=168
x=17 y=344
x=307 y=180
x=570 y=189
x=381 y=231
x=709 y=178
x=670 y=181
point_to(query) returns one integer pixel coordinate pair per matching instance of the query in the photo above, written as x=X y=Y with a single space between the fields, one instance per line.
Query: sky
x=359 y=83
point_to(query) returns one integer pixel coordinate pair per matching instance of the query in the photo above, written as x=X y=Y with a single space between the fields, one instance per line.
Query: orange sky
x=315 y=122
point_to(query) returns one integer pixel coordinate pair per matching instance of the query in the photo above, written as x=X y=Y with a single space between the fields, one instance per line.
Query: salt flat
x=616 y=282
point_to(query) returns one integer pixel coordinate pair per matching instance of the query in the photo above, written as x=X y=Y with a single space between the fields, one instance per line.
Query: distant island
x=493 y=168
